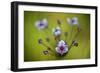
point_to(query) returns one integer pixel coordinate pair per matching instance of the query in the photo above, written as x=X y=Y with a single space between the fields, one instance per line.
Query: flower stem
x=48 y=48
x=57 y=38
x=73 y=39
x=70 y=46
x=70 y=36
x=77 y=33
x=66 y=36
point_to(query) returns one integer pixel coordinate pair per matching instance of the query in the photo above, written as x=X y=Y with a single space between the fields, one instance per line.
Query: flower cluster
x=61 y=47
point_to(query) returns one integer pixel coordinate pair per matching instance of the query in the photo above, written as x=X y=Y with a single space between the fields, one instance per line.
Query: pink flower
x=62 y=47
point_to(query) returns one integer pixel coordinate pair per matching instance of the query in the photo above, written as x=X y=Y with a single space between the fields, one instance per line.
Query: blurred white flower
x=73 y=21
x=41 y=24
x=56 y=31
x=62 y=47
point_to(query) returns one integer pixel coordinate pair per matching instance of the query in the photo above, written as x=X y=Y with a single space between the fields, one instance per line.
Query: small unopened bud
x=59 y=22
x=45 y=52
x=40 y=41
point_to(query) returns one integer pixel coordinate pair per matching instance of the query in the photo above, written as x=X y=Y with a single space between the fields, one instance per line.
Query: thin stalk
x=48 y=48
x=66 y=36
x=76 y=33
x=70 y=36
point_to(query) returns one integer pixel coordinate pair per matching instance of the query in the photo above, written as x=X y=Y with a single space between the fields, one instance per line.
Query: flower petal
x=37 y=23
x=65 y=50
x=61 y=42
x=45 y=22
x=69 y=20
x=75 y=20
x=56 y=31
x=53 y=30
x=58 y=28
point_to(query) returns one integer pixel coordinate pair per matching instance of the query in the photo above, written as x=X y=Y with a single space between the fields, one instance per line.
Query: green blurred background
x=34 y=51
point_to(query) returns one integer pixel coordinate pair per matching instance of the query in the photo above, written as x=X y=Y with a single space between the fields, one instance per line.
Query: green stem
x=73 y=39
x=77 y=33
x=48 y=48
x=70 y=46
x=70 y=36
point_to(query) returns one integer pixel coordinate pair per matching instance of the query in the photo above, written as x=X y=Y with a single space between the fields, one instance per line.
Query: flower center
x=41 y=24
x=61 y=48
x=73 y=21
x=56 y=30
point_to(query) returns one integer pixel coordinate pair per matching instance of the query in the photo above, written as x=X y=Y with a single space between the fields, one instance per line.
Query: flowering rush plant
x=62 y=46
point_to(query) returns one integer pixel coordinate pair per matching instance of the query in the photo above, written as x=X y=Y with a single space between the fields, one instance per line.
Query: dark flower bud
x=40 y=41
x=49 y=48
x=45 y=52
x=58 y=21
x=75 y=43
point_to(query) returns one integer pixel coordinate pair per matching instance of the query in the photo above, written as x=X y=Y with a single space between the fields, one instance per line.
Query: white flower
x=41 y=24
x=62 y=47
x=56 y=31
x=73 y=21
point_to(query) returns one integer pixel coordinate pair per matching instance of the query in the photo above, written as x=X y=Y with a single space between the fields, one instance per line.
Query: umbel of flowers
x=62 y=47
